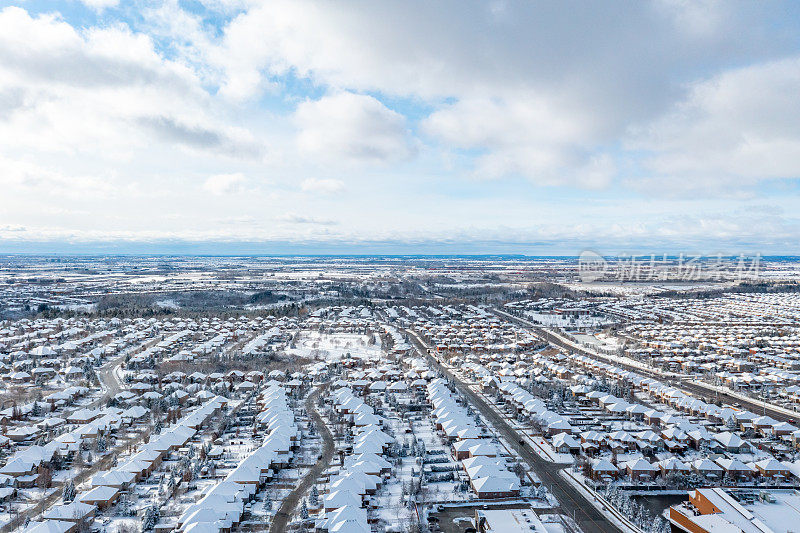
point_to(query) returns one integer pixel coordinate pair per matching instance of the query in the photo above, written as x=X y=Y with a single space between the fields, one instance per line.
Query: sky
x=539 y=128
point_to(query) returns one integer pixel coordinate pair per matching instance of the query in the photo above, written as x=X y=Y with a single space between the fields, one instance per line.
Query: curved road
x=112 y=387
x=108 y=379
x=289 y=503
x=55 y=496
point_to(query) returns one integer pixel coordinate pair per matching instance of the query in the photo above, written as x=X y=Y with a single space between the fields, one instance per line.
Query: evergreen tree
x=613 y=495
x=125 y=507
x=640 y=516
x=68 y=494
x=151 y=516
x=655 y=526
x=628 y=508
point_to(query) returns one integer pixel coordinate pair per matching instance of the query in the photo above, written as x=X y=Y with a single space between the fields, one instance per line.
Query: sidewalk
x=600 y=503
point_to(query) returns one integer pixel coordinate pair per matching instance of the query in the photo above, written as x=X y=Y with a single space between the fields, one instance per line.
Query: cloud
x=469 y=48
x=100 y=5
x=632 y=110
x=200 y=137
x=731 y=131
x=241 y=220
x=293 y=218
x=47 y=49
x=324 y=186
x=531 y=137
x=11 y=99
x=222 y=184
x=103 y=91
x=352 y=127
x=708 y=233
x=12 y=228
x=25 y=177
x=535 y=89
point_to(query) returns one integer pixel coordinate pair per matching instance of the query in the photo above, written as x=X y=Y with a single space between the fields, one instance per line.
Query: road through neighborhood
x=571 y=502
x=704 y=392
x=289 y=503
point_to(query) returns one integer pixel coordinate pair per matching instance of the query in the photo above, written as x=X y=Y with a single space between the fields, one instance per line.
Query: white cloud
x=294 y=218
x=325 y=186
x=45 y=48
x=26 y=177
x=123 y=119
x=224 y=184
x=536 y=88
x=100 y=5
x=444 y=48
x=535 y=137
x=352 y=127
x=102 y=91
x=732 y=130
x=13 y=228
x=241 y=220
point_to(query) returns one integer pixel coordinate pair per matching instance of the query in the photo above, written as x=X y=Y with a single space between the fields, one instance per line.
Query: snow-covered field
x=336 y=346
x=563 y=321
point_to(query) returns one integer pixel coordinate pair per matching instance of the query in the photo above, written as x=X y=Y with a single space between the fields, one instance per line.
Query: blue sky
x=405 y=127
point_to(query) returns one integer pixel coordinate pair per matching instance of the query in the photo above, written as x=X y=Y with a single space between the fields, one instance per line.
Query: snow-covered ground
x=336 y=346
x=567 y=322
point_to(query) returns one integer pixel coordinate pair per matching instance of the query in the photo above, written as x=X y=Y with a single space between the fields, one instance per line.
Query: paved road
x=44 y=504
x=289 y=503
x=109 y=380
x=112 y=386
x=699 y=391
x=571 y=502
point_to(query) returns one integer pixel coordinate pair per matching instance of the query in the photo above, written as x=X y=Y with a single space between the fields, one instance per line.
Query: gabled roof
x=641 y=465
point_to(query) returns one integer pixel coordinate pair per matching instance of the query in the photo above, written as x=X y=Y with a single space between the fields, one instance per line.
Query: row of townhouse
x=347 y=496
x=221 y=507
x=480 y=458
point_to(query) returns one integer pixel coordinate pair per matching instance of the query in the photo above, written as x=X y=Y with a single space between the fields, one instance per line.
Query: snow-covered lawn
x=335 y=346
